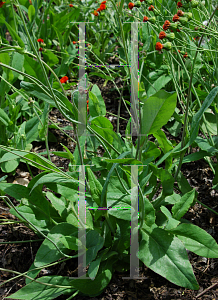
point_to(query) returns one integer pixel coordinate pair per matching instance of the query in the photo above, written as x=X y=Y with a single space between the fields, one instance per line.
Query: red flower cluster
x=175 y=18
x=162 y=35
x=159 y=46
x=180 y=13
x=151 y=8
x=102 y=7
x=71 y=5
x=74 y=42
x=166 y=25
x=1 y=3
x=131 y=5
x=145 y=19
x=40 y=49
x=179 y=4
x=64 y=79
x=40 y=40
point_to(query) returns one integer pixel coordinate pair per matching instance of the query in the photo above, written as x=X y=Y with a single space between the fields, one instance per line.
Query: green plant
x=164 y=235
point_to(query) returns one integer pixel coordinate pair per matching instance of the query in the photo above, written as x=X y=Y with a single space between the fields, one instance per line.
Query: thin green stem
x=188 y=100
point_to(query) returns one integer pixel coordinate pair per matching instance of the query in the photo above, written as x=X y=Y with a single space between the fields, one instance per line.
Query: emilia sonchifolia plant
x=136 y=189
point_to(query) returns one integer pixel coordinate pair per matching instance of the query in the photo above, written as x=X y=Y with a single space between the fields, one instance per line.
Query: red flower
x=179 y=4
x=145 y=19
x=71 y=5
x=131 y=5
x=103 y=2
x=142 y=0
x=185 y=55
x=102 y=7
x=74 y=42
x=180 y=13
x=159 y=46
x=166 y=25
x=40 y=49
x=64 y=79
x=95 y=13
x=40 y=40
x=175 y=18
x=162 y=35
x=1 y=3
x=98 y=9
x=151 y=8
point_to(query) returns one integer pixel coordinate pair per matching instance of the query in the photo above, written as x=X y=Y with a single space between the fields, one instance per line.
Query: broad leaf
x=47 y=252
x=196 y=240
x=181 y=207
x=38 y=291
x=157 y=111
x=165 y=254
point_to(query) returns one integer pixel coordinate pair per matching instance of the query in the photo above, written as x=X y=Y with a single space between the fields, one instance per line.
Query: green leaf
x=158 y=84
x=13 y=33
x=97 y=105
x=205 y=146
x=59 y=204
x=95 y=187
x=122 y=236
x=19 y=192
x=70 y=242
x=94 y=242
x=9 y=166
x=34 y=215
x=43 y=125
x=197 y=117
x=47 y=252
x=4 y=119
x=103 y=194
x=93 y=287
x=166 y=178
x=94 y=267
x=50 y=58
x=196 y=240
x=31 y=129
x=157 y=111
x=31 y=12
x=128 y=161
x=37 y=291
x=56 y=178
x=165 y=254
x=181 y=207
x=149 y=212
x=165 y=146
x=150 y=151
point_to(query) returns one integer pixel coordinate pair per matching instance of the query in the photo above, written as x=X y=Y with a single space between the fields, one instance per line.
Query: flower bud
x=138 y=4
x=188 y=15
x=152 y=20
x=173 y=26
x=167 y=46
x=183 y=20
x=156 y=12
x=194 y=3
x=170 y=36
